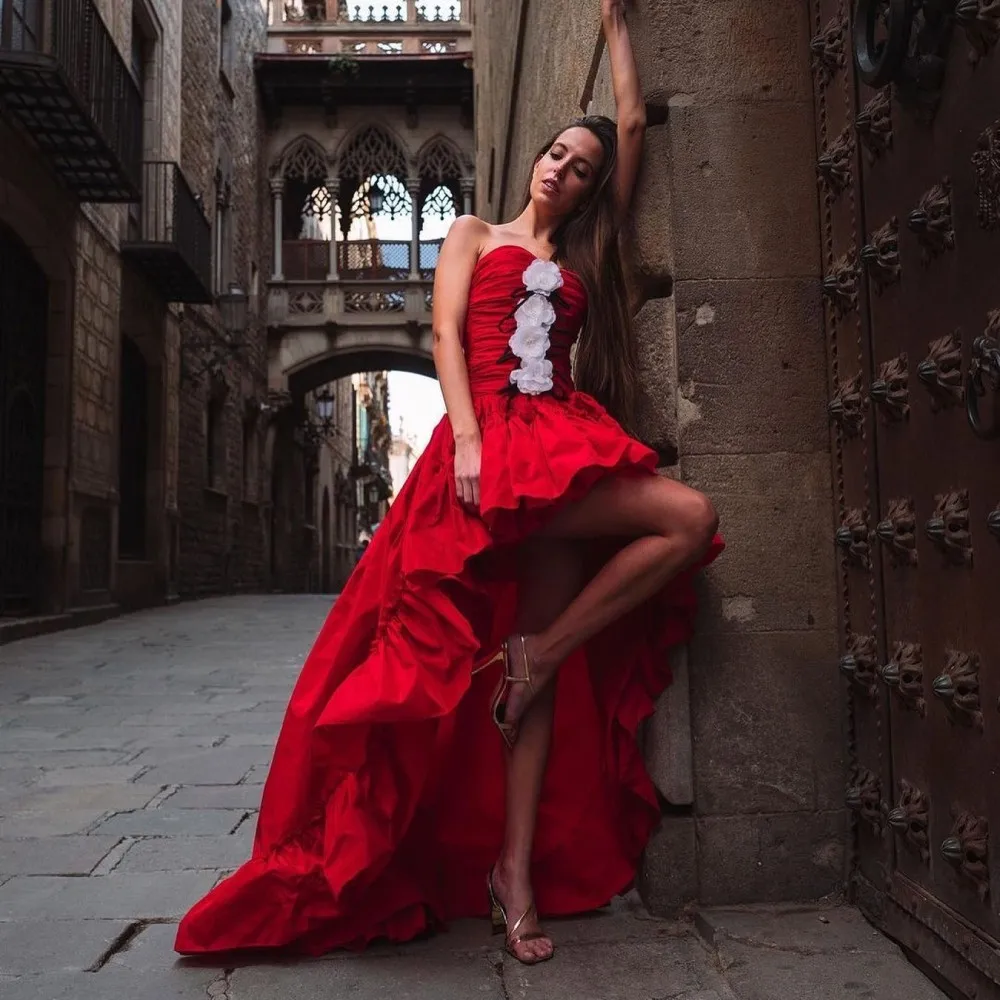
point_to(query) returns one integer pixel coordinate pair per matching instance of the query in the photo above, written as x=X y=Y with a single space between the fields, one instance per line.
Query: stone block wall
x=724 y=242
x=223 y=529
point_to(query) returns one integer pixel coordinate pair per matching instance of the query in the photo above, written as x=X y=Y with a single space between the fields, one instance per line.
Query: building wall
x=223 y=519
x=79 y=248
x=747 y=748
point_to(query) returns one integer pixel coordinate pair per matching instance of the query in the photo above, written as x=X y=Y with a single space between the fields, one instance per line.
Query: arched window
x=441 y=171
x=374 y=204
x=307 y=212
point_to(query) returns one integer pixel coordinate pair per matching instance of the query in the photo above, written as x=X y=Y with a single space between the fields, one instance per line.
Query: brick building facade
x=136 y=417
x=222 y=421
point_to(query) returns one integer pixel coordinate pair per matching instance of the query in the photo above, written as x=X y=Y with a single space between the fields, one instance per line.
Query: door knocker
x=880 y=61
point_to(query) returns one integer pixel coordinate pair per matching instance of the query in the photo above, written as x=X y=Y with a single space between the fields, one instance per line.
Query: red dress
x=384 y=806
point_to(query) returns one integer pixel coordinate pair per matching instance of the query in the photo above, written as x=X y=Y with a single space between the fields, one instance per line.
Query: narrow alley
x=132 y=756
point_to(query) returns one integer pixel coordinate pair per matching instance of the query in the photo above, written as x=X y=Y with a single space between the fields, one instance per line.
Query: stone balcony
x=366 y=312
x=406 y=28
x=357 y=303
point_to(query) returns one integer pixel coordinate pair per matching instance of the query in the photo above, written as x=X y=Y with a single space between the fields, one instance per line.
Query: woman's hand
x=612 y=10
x=468 y=459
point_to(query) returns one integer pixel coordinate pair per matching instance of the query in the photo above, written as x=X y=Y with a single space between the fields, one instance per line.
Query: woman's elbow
x=443 y=336
x=633 y=123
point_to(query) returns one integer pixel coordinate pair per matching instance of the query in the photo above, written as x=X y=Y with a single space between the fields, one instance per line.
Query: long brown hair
x=586 y=242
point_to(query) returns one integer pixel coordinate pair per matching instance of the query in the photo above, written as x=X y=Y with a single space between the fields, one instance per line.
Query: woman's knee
x=691 y=514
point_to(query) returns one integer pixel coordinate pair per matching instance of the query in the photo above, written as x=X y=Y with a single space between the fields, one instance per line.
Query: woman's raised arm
x=631 y=109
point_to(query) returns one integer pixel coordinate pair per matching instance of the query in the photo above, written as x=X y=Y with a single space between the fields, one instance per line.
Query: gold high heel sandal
x=498 y=918
x=498 y=703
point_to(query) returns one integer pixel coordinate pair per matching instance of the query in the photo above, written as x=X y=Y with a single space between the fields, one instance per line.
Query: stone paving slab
x=53 y=855
x=116 y=774
x=165 y=854
x=128 y=749
x=135 y=896
x=810 y=954
x=171 y=984
x=217 y=766
x=34 y=947
x=429 y=977
x=167 y=822
x=216 y=797
x=52 y=812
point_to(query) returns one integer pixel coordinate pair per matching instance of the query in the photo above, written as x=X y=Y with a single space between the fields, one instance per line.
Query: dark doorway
x=133 y=452
x=23 y=320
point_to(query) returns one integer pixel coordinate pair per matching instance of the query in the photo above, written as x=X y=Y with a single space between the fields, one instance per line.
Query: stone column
x=277 y=189
x=468 y=185
x=413 y=186
x=411 y=10
x=333 y=191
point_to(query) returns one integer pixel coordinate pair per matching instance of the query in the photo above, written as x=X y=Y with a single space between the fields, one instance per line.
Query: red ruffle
x=383 y=809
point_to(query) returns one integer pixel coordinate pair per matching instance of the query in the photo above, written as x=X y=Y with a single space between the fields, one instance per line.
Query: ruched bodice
x=497 y=290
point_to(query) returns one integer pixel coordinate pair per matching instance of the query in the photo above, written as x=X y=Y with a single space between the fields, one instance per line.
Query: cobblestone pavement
x=132 y=755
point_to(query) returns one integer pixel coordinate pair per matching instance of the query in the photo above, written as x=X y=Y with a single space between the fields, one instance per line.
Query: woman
x=384 y=814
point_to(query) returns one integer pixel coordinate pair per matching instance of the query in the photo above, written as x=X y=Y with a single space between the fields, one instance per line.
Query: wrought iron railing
x=73 y=34
x=171 y=216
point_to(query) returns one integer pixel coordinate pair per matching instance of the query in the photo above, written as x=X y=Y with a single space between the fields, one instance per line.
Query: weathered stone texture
x=222 y=538
x=98 y=296
x=724 y=244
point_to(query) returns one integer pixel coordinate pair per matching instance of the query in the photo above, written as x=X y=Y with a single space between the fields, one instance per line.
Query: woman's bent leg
x=671 y=526
x=550 y=577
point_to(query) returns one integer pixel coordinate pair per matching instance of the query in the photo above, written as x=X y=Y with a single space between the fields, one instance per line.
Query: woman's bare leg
x=550 y=577
x=672 y=526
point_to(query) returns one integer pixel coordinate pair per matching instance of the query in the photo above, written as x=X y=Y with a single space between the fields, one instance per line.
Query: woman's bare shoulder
x=469 y=229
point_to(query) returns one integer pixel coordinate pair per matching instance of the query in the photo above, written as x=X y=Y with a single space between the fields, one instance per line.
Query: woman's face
x=567 y=172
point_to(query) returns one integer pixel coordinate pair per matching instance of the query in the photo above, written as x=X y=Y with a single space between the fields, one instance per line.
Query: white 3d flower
x=530 y=342
x=543 y=276
x=533 y=377
x=536 y=310
x=533 y=319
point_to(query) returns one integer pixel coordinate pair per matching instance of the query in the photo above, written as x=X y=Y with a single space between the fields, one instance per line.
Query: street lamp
x=233 y=307
x=376 y=199
x=326 y=405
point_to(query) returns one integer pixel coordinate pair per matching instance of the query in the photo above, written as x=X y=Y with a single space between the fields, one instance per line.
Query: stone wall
x=725 y=247
x=223 y=537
